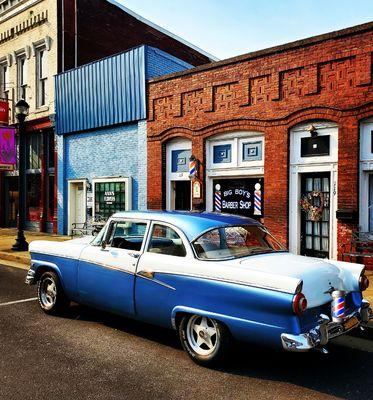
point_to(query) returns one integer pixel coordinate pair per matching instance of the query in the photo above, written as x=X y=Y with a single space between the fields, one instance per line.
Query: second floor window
x=41 y=78
x=4 y=81
x=22 y=78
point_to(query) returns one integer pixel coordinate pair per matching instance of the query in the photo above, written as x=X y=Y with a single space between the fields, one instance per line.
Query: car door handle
x=146 y=273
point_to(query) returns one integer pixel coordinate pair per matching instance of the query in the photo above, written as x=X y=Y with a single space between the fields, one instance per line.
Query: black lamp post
x=21 y=109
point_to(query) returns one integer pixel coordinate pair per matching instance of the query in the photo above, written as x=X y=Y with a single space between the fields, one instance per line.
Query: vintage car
x=213 y=277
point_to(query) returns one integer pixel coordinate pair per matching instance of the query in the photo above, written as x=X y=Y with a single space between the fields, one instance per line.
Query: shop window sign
x=239 y=196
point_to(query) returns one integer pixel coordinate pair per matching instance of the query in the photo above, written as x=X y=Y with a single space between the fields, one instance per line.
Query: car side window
x=164 y=240
x=127 y=235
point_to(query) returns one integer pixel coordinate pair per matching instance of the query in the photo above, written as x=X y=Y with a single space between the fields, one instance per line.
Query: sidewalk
x=21 y=259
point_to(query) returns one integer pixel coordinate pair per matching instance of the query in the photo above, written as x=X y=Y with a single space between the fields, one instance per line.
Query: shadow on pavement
x=346 y=372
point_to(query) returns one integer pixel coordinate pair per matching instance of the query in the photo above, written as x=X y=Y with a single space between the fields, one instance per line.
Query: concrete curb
x=13 y=264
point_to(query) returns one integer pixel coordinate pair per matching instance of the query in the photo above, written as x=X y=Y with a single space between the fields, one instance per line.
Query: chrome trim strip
x=41 y=262
x=237 y=282
x=156 y=281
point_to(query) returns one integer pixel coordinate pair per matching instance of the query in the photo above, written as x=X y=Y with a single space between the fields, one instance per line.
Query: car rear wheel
x=51 y=297
x=206 y=340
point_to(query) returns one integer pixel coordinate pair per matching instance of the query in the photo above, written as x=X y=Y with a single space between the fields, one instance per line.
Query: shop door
x=11 y=201
x=79 y=204
x=182 y=195
x=315 y=232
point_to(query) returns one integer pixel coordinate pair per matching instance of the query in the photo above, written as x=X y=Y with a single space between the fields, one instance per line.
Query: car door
x=106 y=270
x=158 y=288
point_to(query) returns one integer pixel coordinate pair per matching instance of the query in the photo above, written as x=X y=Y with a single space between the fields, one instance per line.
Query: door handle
x=134 y=255
x=146 y=273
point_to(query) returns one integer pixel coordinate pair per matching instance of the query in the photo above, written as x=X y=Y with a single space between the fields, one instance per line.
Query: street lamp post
x=21 y=109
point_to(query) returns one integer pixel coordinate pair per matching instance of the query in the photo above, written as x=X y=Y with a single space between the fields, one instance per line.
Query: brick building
x=39 y=39
x=278 y=125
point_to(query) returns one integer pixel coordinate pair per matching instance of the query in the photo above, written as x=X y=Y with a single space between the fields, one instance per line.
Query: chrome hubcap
x=202 y=334
x=48 y=293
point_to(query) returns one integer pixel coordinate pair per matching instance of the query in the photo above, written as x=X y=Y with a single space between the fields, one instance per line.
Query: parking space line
x=18 y=301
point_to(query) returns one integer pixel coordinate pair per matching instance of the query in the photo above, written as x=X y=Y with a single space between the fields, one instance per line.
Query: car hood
x=319 y=276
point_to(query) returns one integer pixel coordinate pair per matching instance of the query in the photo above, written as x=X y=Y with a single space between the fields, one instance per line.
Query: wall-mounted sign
x=196 y=189
x=239 y=196
x=4 y=112
x=89 y=199
x=8 y=152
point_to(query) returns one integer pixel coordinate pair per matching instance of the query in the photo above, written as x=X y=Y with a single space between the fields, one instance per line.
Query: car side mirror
x=103 y=244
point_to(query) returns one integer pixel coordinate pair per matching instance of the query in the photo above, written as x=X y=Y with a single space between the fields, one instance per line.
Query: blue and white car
x=213 y=277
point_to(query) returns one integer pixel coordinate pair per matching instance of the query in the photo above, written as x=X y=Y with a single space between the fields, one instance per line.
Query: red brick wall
x=322 y=78
x=104 y=29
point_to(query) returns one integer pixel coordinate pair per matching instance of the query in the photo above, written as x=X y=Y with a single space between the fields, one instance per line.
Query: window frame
x=4 y=80
x=22 y=76
x=40 y=81
x=162 y=225
x=186 y=243
x=109 y=231
x=127 y=194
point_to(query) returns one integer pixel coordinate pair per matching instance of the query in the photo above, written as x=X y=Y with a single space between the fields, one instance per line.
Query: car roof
x=192 y=223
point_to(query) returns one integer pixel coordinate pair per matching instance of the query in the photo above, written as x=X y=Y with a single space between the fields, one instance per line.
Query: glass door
x=315 y=223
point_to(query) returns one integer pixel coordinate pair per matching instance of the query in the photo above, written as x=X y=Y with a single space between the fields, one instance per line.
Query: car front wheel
x=51 y=297
x=206 y=340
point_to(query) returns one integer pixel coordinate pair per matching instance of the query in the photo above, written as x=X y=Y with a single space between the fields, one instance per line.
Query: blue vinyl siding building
x=101 y=134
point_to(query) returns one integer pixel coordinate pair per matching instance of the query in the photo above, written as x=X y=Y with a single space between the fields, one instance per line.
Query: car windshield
x=235 y=242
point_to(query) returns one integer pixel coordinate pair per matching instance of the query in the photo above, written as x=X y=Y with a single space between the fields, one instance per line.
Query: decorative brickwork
x=323 y=78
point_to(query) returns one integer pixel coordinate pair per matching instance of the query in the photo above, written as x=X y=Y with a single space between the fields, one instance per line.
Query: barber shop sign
x=239 y=196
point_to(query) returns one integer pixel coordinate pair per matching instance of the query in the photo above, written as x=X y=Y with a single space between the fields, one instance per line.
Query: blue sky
x=226 y=28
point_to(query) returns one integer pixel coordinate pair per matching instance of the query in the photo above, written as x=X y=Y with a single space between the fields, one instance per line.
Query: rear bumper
x=326 y=330
x=30 y=277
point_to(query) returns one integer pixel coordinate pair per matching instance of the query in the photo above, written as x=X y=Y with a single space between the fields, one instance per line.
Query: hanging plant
x=307 y=205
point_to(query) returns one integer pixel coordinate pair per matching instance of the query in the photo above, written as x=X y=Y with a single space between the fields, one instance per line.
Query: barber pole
x=257 y=200
x=217 y=198
x=192 y=168
x=338 y=305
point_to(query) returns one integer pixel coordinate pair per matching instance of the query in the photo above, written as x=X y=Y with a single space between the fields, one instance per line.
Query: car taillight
x=299 y=304
x=363 y=282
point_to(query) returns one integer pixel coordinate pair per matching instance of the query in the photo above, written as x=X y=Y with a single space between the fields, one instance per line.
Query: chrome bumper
x=30 y=277
x=326 y=330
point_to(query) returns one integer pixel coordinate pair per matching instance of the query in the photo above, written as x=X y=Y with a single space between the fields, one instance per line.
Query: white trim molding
x=300 y=165
x=365 y=171
x=237 y=167
x=128 y=190
x=171 y=177
x=71 y=201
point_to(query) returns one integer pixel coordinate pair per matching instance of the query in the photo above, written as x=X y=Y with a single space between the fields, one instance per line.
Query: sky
x=227 y=28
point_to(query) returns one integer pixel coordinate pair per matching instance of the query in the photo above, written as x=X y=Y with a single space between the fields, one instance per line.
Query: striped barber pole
x=257 y=200
x=192 y=168
x=338 y=305
x=217 y=198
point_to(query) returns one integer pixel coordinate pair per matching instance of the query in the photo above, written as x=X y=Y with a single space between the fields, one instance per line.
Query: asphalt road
x=94 y=355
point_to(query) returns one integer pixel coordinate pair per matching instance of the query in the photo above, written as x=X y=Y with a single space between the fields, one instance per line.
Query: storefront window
x=34 y=150
x=33 y=196
x=109 y=198
x=50 y=197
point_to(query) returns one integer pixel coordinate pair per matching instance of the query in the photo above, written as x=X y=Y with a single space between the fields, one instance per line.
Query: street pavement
x=88 y=354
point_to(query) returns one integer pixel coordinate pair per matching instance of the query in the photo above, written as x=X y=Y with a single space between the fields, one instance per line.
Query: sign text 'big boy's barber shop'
x=239 y=196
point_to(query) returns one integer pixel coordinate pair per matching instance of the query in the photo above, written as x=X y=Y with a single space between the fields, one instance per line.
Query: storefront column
x=198 y=150
x=276 y=175
x=348 y=182
x=156 y=173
